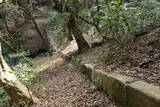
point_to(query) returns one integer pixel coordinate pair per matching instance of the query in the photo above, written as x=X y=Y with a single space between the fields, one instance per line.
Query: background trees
x=117 y=23
x=72 y=7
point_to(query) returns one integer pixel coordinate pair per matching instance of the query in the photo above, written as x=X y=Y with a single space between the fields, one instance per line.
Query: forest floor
x=61 y=85
x=64 y=86
x=141 y=61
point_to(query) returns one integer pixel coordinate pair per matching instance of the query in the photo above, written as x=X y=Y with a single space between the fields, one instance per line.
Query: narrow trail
x=64 y=86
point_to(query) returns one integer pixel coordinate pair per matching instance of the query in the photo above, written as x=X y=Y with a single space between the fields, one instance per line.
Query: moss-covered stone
x=97 y=78
x=89 y=70
x=122 y=89
x=114 y=86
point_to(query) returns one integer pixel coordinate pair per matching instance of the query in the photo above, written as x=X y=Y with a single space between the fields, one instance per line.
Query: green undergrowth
x=25 y=73
x=4 y=99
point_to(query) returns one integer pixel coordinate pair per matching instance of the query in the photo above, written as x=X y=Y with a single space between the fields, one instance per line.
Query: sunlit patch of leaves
x=24 y=72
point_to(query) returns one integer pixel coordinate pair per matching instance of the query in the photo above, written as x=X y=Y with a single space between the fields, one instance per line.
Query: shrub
x=122 y=21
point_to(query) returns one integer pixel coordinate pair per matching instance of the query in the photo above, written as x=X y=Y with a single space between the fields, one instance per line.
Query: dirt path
x=64 y=86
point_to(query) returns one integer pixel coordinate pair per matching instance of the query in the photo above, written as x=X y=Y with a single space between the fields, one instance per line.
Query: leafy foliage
x=10 y=18
x=11 y=14
x=58 y=18
x=121 y=23
x=24 y=72
x=72 y=6
x=57 y=27
x=4 y=99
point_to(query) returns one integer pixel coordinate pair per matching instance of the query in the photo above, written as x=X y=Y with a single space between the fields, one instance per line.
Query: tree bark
x=72 y=26
x=58 y=5
x=19 y=94
x=81 y=42
x=69 y=37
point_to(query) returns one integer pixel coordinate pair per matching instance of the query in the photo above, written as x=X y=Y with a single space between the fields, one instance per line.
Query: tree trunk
x=19 y=94
x=85 y=4
x=72 y=26
x=81 y=42
x=58 y=5
x=88 y=3
x=69 y=36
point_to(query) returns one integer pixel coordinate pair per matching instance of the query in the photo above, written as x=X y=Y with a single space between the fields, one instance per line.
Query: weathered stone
x=141 y=94
x=114 y=86
x=34 y=43
x=84 y=69
x=97 y=78
x=89 y=70
x=123 y=89
x=91 y=66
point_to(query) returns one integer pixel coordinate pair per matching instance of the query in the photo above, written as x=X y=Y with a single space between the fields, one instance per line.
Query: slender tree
x=72 y=7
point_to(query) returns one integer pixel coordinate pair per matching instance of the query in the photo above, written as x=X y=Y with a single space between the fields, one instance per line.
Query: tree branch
x=91 y=23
